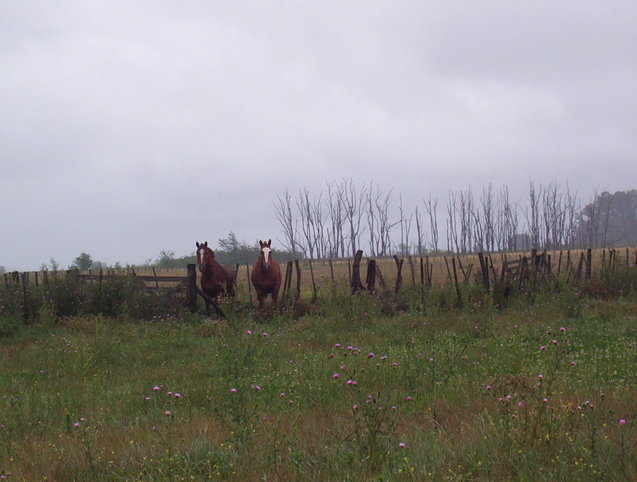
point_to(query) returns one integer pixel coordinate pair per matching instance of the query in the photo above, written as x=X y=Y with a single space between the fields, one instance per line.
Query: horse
x=215 y=278
x=266 y=275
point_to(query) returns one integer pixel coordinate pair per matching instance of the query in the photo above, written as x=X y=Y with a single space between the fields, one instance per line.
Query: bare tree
x=571 y=219
x=532 y=215
x=506 y=224
x=283 y=210
x=384 y=224
x=487 y=217
x=371 y=200
x=319 y=226
x=308 y=222
x=452 y=233
x=352 y=203
x=431 y=205
x=555 y=212
x=335 y=237
x=465 y=214
x=420 y=234
x=405 y=229
x=478 y=230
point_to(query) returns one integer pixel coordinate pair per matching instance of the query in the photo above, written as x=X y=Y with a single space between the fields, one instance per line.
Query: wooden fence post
x=484 y=266
x=582 y=259
x=455 y=279
x=287 y=281
x=298 y=278
x=154 y=274
x=332 y=273
x=399 y=276
x=356 y=273
x=371 y=275
x=25 y=307
x=249 y=283
x=413 y=271
x=313 y=283
x=191 y=292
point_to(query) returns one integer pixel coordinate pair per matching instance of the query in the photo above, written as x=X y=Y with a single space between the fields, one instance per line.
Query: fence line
x=516 y=270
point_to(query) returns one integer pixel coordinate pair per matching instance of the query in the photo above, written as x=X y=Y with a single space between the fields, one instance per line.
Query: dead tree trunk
x=371 y=275
x=399 y=275
x=356 y=273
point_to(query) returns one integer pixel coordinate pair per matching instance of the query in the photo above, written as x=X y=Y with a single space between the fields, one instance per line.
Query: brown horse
x=215 y=279
x=266 y=275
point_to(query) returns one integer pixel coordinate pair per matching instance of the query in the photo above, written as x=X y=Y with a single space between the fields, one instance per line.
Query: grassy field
x=357 y=389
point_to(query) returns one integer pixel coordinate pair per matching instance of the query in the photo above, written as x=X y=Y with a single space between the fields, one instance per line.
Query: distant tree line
x=345 y=217
x=229 y=250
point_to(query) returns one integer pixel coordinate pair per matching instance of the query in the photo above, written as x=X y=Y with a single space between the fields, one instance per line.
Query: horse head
x=266 y=251
x=205 y=255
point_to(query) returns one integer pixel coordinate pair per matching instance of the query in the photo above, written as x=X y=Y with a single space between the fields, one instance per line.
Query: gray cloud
x=128 y=128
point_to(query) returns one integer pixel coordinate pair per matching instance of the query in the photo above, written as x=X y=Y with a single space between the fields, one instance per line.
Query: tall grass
x=361 y=387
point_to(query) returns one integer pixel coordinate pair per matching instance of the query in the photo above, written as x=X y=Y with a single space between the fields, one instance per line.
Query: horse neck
x=209 y=265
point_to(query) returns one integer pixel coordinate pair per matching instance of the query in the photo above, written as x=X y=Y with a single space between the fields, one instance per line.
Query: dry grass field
x=467 y=267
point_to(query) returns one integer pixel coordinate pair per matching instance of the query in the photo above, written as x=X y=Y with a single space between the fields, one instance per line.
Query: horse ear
x=205 y=243
x=261 y=243
x=269 y=243
x=197 y=243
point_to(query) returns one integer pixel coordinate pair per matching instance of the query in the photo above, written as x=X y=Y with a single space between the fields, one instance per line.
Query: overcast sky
x=131 y=127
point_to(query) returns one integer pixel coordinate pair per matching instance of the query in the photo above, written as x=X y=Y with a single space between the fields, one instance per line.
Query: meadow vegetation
x=537 y=386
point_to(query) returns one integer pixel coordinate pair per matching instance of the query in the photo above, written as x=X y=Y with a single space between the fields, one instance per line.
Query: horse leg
x=218 y=300
x=261 y=299
x=275 y=293
x=230 y=289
